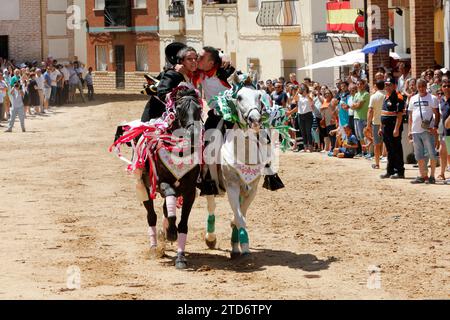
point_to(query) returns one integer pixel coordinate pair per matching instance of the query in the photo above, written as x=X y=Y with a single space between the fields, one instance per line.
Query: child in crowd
x=368 y=135
x=349 y=145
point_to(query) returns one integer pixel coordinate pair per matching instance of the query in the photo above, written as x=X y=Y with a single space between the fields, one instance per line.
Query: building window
x=141 y=58
x=101 y=59
x=288 y=67
x=190 y=5
x=141 y=4
x=100 y=4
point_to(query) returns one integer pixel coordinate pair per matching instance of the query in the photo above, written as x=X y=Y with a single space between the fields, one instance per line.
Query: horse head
x=249 y=107
x=188 y=108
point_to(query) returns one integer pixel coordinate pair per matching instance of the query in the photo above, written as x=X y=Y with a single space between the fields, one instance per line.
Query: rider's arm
x=169 y=81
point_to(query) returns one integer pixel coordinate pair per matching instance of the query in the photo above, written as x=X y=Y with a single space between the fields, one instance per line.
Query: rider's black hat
x=172 y=51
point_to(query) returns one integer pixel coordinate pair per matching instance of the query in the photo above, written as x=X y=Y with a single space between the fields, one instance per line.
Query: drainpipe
x=366 y=31
x=447 y=34
x=42 y=28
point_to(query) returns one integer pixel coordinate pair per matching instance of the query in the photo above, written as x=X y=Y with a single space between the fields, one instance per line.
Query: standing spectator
x=361 y=106
x=15 y=78
x=328 y=122
x=444 y=109
x=253 y=74
x=55 y=75
x=293 y=79
x=351 y=113
x=343 y=107
x=391 y=129
x=90 y=85
x=47 y=89
x=17 y=107
x=405 y=74
x=304 y=102
x=446 y=122
x=279 y=97
x=359 y=72
x=269 y=87
x=60 y=87
x=3 y=93
x=33 y=94
x=66 y=75
x=423 y=130
x=40 y=89
x=374 y=121
x=410 y=90
x=307 y=82
x=26 y=97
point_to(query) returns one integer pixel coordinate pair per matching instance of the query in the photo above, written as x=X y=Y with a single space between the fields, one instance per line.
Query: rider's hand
x=226 y=61
x=180 y=68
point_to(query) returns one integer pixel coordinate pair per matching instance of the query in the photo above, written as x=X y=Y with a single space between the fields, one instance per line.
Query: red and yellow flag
x=341 y=17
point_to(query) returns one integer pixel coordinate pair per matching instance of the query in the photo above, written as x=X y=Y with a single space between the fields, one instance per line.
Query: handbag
x=425 y=123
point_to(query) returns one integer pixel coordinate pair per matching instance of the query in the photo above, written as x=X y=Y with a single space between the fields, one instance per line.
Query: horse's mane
x=184 y=99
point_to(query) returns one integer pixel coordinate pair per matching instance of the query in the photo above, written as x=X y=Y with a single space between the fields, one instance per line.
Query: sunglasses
x=446 y=86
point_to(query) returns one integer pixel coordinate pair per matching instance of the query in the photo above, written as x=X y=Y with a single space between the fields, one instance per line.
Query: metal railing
x=278 y=14
x=117 y=15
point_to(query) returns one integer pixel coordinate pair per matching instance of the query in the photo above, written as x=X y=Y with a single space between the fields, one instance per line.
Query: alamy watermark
x=374 y=277
x=73 y=280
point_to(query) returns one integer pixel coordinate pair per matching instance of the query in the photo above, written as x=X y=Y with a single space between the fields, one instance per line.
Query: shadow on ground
x=258 y=260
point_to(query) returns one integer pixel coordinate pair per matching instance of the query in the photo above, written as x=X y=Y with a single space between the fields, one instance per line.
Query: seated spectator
x=349 y=145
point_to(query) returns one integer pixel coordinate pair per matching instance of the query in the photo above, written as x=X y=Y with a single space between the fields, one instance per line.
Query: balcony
x=117 y=14
x=213 y=2
x=176 y=9
x=278 y=14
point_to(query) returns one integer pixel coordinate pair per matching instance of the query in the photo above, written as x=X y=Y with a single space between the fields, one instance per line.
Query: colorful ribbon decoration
x=274 y=117
x=154 y=135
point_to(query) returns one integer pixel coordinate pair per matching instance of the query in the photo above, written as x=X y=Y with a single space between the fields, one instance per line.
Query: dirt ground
x=65 y=201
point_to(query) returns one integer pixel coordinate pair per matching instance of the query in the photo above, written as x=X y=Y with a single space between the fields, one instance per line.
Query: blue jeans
x=424 y=146
x=52 y=101
x=359 y=128
x=14 y=113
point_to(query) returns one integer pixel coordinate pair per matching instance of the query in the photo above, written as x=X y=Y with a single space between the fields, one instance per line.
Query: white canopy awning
x=347 y=59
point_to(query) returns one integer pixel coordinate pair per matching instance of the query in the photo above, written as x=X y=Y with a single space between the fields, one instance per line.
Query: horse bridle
x=188 y=124
x=247 y=114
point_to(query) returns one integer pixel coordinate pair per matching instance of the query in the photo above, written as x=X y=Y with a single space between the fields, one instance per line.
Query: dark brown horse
x=176 y=179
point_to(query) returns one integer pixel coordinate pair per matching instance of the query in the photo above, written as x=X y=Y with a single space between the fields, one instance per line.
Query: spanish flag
x=341 y=17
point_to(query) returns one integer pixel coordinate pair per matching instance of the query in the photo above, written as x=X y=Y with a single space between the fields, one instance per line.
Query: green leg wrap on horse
x=243 y=236
x=211 y=225
x=235 y=235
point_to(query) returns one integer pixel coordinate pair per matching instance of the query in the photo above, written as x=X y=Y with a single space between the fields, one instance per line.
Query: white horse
x=243 y=155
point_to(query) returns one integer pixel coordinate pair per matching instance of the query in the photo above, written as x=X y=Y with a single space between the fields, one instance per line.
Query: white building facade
x=278 y=37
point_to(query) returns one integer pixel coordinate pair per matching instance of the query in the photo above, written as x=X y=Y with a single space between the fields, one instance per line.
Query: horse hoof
x=157 y=252
x=172 y=233
x=181 y=262
x=235 y=255
x=211 y=244
x=153 y=253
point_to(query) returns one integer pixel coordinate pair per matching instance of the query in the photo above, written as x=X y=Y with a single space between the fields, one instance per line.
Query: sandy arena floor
x=65 y=201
